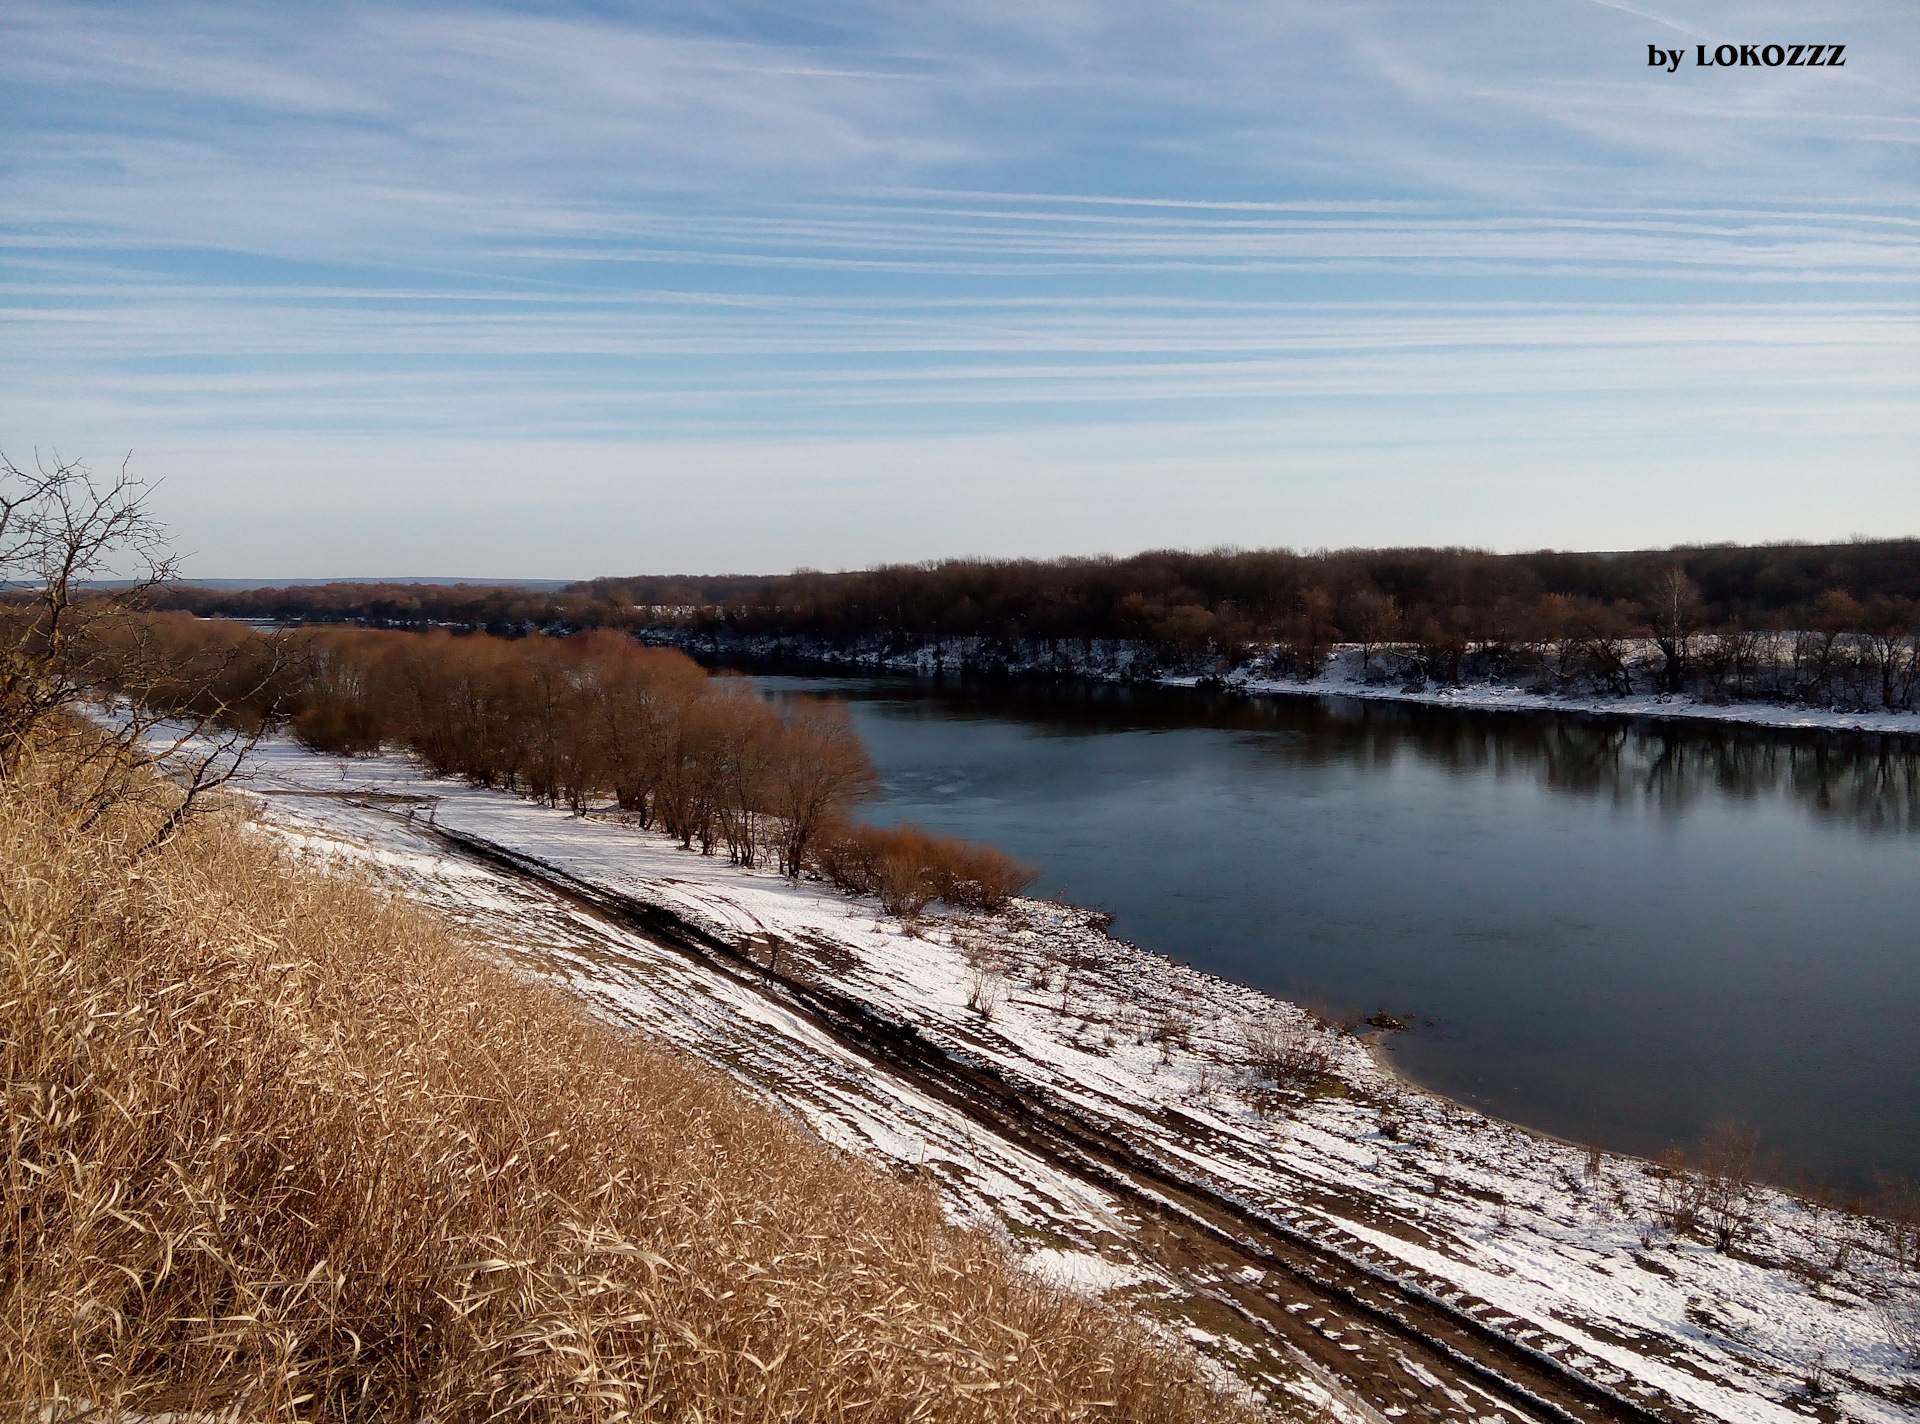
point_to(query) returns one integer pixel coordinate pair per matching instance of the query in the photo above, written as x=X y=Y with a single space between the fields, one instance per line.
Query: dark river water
x=1625 y=934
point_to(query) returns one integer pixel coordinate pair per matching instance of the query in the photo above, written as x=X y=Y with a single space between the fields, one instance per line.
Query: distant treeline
x=500 y=609
x=583 y=721
x=1239 y=598
x=1564 y=621
x=1248 y=595
x=1836 y=625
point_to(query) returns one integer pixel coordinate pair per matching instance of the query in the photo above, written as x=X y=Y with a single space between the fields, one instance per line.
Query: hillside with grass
x=281 y=1146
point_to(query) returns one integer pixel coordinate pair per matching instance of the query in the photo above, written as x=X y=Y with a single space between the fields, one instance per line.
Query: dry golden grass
x=278 y=1147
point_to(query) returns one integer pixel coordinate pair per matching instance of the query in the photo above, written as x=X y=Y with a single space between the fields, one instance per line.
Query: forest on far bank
x=1824 y=624
x=1223 y=597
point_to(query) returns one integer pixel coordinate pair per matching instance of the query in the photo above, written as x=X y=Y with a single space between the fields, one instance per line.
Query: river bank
x=1348 y=671
x=1569 y=1257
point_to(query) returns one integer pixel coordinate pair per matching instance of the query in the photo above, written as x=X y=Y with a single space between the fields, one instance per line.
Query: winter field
x=1338 y=1241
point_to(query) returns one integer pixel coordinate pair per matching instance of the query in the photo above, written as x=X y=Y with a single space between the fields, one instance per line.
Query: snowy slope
x=1549 y=1245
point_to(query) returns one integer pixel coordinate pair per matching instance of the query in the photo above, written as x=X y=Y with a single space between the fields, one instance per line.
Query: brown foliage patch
x=908 y=869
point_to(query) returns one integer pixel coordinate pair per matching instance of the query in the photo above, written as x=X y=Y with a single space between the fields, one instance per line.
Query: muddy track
x=1391 y=1342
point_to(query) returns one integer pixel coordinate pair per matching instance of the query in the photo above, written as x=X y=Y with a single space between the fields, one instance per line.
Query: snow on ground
x=1554 y=1246
x=1343 y=678
x=1113 y=660
x=1081 y=1272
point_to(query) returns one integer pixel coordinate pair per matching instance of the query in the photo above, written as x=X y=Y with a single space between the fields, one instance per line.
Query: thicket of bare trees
x=584 y=720
x=573 y=721
x=907 y=868
x=1836 y=651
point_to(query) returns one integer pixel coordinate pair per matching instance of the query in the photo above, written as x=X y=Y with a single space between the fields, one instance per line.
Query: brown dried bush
x=909 y=869
x=975 y=876
x=278 y=1148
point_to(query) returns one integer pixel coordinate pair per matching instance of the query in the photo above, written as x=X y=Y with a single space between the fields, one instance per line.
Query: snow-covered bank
x=1378 y=676
x=1543 y=1242
x=1344 y=678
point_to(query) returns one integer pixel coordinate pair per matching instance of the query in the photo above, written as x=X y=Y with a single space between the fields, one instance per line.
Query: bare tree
x=1375 y=620
x=1892 y=645
x=822 y=771
x=1674 y=615
x=1311 y=632
x=1603 y=637
x=1729 y=655
x=59 y=527
x=1440 y=643
x=191 y=715
x=1822 y=646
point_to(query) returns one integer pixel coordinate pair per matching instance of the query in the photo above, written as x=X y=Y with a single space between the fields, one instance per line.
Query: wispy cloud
x=1299 y=237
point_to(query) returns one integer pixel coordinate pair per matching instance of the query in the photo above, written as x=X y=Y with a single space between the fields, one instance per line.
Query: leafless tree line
x=1842 y=653
x=1835 y=650
x=1716 y=614
x=589 y=720
x=582 y=720
x=566 y=720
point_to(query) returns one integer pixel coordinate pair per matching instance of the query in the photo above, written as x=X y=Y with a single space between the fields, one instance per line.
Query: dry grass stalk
x=278 y=1148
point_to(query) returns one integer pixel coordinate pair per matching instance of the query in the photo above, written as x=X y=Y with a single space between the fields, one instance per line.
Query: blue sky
x=551 y=290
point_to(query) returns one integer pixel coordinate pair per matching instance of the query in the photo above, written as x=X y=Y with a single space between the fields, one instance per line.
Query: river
x=1621 y=933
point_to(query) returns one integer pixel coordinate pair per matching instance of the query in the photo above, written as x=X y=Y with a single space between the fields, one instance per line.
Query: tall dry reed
x=278 y=1147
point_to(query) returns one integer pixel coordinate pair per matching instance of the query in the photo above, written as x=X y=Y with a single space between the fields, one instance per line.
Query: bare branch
x=190 y=712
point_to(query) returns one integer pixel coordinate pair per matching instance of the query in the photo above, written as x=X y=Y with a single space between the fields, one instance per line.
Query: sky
x=551 y=290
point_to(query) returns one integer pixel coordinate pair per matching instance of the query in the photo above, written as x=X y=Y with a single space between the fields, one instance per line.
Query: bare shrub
x=904 y=883
x=1727 y=1161
x=1294 y=1055
x=986 y=991
x=278 y=1148
x=909 y=868
x=892 y=862
x=973 y=876
x=1681 y=1195
x=1205 y=1079
x=1713 y=1190
x=985 y=953
x=1897 y=1207
x=1172 y=1028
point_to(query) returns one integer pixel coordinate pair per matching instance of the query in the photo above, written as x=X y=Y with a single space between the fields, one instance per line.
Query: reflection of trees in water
x=1872 y=783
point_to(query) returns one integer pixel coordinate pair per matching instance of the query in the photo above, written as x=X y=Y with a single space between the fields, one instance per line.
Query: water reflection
x=1871 y=783
x=1623 y=931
